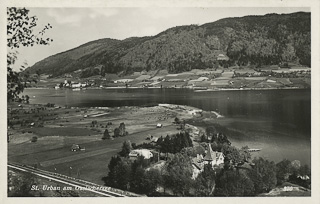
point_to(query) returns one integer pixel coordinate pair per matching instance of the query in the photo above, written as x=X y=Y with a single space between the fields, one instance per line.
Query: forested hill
x=247 y=41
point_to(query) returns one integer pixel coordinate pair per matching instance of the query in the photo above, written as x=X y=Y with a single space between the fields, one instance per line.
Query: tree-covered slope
x=250 y=40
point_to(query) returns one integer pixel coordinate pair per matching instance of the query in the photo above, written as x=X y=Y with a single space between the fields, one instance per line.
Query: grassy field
x=52 y=151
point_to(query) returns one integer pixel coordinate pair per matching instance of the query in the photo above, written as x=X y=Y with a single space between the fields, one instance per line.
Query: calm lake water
x=278 y=121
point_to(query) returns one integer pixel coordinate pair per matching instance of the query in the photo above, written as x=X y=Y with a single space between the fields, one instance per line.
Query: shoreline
x=195 y=90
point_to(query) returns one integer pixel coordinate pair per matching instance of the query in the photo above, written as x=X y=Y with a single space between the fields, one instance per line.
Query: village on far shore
x=290 y=76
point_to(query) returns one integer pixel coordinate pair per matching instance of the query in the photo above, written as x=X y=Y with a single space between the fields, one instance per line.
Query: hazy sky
x=75 y=26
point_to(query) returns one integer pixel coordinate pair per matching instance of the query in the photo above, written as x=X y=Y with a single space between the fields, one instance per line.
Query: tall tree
x=126 y=148
x=122 y=129
x=119 y=175
x=153 y=179
x=20 y=32
x=205 y=182
x=106 y=135
x=179 y=174
x=116 y=132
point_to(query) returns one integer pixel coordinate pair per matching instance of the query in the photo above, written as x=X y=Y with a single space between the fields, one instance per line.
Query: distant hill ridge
x=246 y=41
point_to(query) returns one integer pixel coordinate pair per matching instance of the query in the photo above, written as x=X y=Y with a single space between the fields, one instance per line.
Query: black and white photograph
x=107 y=100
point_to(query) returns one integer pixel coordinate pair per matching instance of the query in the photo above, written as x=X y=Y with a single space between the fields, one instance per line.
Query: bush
x=34 y=139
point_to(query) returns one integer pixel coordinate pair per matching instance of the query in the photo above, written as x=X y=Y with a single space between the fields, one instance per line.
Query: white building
x=123 y=81
x=145 y=153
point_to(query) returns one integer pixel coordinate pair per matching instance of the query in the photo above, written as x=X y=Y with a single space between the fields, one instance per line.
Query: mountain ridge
x=244 y=41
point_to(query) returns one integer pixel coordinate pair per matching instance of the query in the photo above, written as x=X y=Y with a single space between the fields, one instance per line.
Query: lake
x=277 y=121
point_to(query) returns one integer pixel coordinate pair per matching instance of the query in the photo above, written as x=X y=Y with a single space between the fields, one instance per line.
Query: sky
x=75 y=26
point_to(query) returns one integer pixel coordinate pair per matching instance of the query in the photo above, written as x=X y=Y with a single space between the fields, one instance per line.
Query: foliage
x=119 y=175
x=34 y=139
x=245 y=154
x=94 y=123
x=106 y=135
x=232 y=156
x=175 y=143
x=205 y=182
x=263 y=175
x=122 y=129
x=20 y=32
x=193 y=151
x=234 y=183
x=131 y=175
x=211 y=132
x=179 y=172
x=153 y=180
x=177 y=120
x=20 y=185
x=116 y=132
x=284 y=170
x=126 y=148
x=144 y=181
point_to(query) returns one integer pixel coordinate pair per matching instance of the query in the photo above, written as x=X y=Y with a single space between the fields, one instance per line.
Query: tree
x=138 y=182
x=110 y=178
x=153 y=180
x=179 y=174
x=245 y=154
x=234 y=183
x=211 y=131
x=119 y=173
x=203 y=138
x=305 y=170
x=193 y=151
x=116 y=132
x=299 y=176
x=122 y=173
x=106 y=135
x=20 y=33
x=122 y=129
x=94 y=123
x=232 y=156
x=177 y=120
x=284 y=170
x=126 y=148
x=205 y=182
x=263 y=175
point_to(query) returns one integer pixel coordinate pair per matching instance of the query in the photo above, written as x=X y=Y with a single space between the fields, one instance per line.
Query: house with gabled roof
x=212 y=158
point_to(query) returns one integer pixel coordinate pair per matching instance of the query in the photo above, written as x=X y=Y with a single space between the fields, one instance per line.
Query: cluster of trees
x=118 y=132
x=213 y=136
x=175 y=143
x=240 y=176
x=131 y=175
x=175 y=174
x=289 y=171
x=262 y=177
